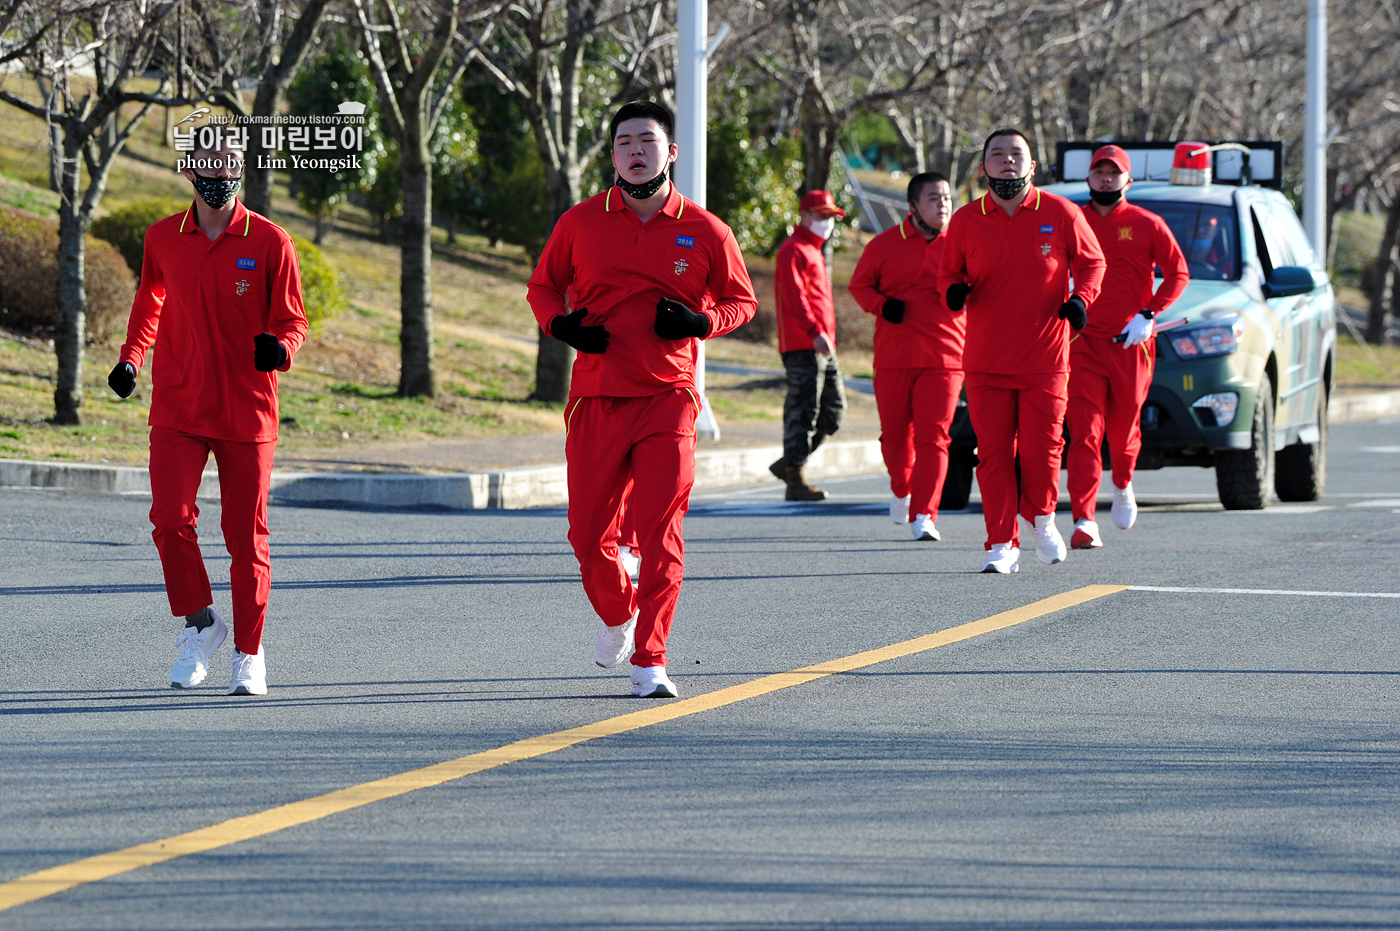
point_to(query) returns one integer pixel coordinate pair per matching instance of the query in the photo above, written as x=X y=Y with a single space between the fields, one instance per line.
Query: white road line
x=1293 y=509
x=1261 y=591
x=1377 y=503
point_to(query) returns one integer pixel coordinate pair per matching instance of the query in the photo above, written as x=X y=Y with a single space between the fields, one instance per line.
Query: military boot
x=798 y=488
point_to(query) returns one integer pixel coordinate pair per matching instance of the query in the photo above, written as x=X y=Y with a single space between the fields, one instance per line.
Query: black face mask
x=920 y=224
x=642 y=191
x=1106 y=198
x=216 y=191
x=1007 y=188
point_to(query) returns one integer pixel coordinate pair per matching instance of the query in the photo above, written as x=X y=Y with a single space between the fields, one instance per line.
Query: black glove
x=123 y=379
x=893 y=310
x=674 y=320
x=957 y=296
x=269 y=354
x=1075 y=312
x=570 y=329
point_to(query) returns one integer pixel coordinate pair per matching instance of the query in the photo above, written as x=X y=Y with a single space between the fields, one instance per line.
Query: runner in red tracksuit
x=918 y=351
x=1109 y=380
x=220 y=300
x=1009 y=258
x=631 y=278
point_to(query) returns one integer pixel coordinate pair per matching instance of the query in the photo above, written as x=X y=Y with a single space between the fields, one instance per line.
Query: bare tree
x=834 y=59
x=1382 y=325
x=413 y=91
x=117 y=40
x=265 y=46
x=568 y=63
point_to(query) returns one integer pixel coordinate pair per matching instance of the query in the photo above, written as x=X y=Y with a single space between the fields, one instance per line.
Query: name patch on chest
x=249 y=264
x=1047 y=229
x=687 y=241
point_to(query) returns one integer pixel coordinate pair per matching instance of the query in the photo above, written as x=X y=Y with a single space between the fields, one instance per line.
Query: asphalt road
x=1148 y=759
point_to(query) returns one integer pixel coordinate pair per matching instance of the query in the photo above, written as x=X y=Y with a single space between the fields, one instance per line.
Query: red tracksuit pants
x=648 y=442
x=245 y=472
x=627 y=532
x=1107 y=387
x=916 y=409
x=1017 y=414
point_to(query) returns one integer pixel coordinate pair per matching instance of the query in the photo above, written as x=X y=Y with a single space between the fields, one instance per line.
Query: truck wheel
x=1244 y=477
x=1300 y=470
x=957 y=486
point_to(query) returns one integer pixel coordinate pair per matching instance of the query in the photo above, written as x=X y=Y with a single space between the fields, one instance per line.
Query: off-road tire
x=957 y=485
x=1244 y=477
x=1300 y=470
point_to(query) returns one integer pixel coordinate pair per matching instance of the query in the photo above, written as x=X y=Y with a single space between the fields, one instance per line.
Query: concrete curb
x=1358 y=407
x=511 y=489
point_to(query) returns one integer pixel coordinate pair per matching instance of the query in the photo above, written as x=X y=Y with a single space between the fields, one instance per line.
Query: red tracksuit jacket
x=201 y=303
x=1019 y=269
x=1134 y=241
x=602 y=258
x=900 y=264
x=803 y=292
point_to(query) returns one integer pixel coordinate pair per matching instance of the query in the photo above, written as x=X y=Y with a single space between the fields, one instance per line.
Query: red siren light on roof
x=1190 y=164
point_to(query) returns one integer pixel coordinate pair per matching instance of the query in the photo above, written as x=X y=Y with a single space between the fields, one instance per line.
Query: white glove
x=1138 y=330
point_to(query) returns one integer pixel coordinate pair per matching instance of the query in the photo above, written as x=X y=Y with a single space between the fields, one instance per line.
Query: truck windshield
x=1207 y=235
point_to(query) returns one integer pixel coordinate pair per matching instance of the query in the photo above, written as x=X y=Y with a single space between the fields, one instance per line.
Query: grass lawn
x=341 y=391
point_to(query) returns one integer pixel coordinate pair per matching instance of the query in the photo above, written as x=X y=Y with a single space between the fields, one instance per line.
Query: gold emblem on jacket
x=681 y=266
x=1045 y=248
x=241 y=287
x=1125 y=233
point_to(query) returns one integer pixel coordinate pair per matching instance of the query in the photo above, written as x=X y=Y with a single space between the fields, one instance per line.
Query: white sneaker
x=615 y=644
x=1002 y=558
x=196 y=648
x=1086 y=535
x=249 y=673
x=1124 y=507
x=652 y=682
x=1049 y=545
x=631 y=562
x=899 y=509
x=924 y=529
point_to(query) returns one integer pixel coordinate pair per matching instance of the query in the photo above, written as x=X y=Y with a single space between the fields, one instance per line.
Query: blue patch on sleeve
x=248 y=263
x=1047 y=229
x=687 y=241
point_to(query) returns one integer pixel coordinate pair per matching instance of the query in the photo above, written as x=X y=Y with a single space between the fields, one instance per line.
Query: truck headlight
x=1217 y=410
x=1217 y=338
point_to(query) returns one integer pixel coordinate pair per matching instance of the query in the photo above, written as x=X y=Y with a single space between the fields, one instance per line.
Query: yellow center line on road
x=56 y=879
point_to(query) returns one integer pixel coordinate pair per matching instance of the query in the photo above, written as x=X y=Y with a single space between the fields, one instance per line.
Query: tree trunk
x=819 y=133
x=70 y=337
x=257 y=181
x=415 y=283
x=1381 y=326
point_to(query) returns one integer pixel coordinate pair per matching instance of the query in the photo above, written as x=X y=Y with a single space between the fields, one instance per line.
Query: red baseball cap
x=822 y=204
x=1114 y=154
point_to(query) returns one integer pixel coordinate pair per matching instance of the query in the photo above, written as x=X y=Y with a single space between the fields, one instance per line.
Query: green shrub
x=126 y=227
x=320 y=286
x=751 y=184
x=29 y=276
